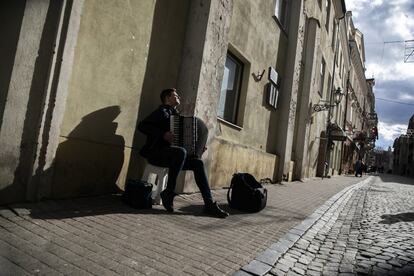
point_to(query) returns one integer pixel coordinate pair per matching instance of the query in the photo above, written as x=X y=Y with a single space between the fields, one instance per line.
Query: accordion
x=190 y=133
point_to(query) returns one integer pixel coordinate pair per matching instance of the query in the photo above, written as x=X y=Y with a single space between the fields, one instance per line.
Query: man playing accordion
x=159 y=151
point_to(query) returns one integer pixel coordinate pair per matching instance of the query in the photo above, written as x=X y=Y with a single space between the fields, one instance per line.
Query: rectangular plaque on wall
x=273 y=88
x=272 y=95
x=273 y=76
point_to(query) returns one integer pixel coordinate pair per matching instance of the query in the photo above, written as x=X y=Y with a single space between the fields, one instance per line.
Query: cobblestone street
x=338 y=226
x=367 y=229
x=102 y=236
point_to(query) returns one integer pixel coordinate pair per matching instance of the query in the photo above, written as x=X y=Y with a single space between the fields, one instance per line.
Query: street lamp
x=337 y=97
x=334 y=99
x=338 y=94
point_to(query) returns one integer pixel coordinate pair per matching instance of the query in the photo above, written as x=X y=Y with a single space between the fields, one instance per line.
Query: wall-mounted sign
x=273 y=76
x=272 y=95
x=273 y=88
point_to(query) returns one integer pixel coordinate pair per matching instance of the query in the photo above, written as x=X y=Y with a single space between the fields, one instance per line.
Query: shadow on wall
x=90 y=160
x=11 y=13
x=164 y=59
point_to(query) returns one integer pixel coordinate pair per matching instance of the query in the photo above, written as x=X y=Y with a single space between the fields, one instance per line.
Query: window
x=322 y=75
x=281 y=12
x=230 y=89
x=328 y=14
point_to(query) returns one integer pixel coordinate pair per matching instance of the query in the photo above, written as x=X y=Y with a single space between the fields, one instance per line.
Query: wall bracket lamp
x=337 y=97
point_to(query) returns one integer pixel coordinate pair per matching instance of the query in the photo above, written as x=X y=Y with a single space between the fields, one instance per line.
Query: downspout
x=344 y=123
x=328 y=124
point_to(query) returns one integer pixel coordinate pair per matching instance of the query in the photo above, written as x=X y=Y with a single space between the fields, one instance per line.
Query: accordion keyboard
x=184 y=130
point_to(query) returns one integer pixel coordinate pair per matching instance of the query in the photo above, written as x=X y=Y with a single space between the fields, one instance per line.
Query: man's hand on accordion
x=168 y=136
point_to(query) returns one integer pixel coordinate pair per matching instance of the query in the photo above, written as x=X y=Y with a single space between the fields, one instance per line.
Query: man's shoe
x=167 y=198
x=214 y=210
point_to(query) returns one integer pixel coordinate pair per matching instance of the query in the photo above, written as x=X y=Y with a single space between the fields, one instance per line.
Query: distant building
x=403 y=163
x=380 y=160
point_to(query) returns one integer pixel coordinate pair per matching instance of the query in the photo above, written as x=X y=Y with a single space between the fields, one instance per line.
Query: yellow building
x=78 y=75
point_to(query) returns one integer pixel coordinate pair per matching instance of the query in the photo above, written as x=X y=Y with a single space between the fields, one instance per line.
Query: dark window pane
x=230 y=89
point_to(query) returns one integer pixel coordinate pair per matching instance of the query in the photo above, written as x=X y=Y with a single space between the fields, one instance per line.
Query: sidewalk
x=102 y=236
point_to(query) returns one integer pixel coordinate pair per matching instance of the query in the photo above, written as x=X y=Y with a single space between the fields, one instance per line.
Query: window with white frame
x=230 y=89
x=280 y=12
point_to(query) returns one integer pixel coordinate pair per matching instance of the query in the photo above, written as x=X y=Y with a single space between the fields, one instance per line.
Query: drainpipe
x=344 y=123
x=328 y=123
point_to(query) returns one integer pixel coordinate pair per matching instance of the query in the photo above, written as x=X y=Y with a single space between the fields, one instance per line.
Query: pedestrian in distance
x=358 y=168
x=159 y=152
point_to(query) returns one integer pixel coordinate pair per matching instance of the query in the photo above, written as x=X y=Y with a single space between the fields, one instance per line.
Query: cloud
x=391 y=71
x=399 y=21
x=406 y=97
x=393 y=113
x=357 y=5
x=389 y=132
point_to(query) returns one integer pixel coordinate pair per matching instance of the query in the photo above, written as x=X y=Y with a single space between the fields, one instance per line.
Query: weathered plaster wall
x=229 y=158
x=305 y=111
x=256 y=39
x=21 y=109
x=201 y=69
x=289 y=99
x=106 y=91
x=127 y=52
x=56 y=94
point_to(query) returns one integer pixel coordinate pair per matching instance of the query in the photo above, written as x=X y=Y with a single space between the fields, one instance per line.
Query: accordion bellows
x=190 y=133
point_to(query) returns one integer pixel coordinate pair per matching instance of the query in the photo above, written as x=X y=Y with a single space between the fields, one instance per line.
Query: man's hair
x=166 y=93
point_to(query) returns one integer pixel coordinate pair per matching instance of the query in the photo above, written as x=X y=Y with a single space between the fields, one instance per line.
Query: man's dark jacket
x=155 y=126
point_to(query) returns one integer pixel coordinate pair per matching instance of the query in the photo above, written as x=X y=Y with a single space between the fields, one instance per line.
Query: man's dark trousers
x=176 y=159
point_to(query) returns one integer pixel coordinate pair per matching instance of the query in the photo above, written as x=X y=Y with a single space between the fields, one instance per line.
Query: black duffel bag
x=137 y=194
x=246 y=193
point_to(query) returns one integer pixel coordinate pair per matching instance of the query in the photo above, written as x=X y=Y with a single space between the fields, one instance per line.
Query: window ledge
x=229 y=124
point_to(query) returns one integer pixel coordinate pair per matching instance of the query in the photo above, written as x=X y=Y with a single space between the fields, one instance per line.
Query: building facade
x=79 y=75
x=403 y=161
x=360 y=122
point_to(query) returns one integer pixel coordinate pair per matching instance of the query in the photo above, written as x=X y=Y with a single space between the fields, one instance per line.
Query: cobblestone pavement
x=366 y=229
x=101 y=236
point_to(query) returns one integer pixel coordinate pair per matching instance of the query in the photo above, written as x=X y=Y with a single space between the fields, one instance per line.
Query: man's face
x=173 y=100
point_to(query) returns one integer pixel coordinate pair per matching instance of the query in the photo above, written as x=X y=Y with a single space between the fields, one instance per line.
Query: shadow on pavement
x=398 y=179
x=94 y=206
x=401 y=217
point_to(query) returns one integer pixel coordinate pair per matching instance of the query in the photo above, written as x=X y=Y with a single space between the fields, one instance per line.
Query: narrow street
x=338 y=226
x=368 y=230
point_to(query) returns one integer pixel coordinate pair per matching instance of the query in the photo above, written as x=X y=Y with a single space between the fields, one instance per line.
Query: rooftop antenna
x=409 y=51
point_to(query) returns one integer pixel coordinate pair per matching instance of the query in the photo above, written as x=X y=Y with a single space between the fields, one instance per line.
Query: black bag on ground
x=137 y=194
x=246 y=194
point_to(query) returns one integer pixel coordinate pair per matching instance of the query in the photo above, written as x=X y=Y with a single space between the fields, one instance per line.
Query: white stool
x=157 y=176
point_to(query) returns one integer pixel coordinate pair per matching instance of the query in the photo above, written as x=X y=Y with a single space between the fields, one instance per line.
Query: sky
x=388 y=25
